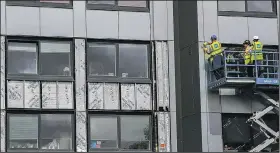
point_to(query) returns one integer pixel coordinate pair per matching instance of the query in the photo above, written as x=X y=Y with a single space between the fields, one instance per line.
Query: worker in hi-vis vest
x=214 y=50
x=257 y=54
x=247 y=57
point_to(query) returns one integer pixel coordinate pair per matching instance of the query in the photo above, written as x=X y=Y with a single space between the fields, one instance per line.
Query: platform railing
x=233 y=67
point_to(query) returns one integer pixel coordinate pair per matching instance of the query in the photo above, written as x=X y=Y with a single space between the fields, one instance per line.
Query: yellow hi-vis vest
x=247 y=55
x=216 y=48
x=257 y=48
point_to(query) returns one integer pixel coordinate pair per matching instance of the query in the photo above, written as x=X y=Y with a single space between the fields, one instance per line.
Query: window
x=141 y=5
x=39 y=58
x=40 y=132
x=122 y=132
x=118 y=61
x=239 y=135
x=248 y=8
x=47 y=3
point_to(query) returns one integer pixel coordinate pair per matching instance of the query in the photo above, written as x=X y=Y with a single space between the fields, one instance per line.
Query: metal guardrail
x=234 y=67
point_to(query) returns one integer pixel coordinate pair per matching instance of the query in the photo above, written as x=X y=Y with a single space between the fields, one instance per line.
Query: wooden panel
x=143 y=97
x=96 y=96
x=111 y=96
x=15 y=94
x=128 y=101
x=65 y=95
x=49 y=95
x=31 y=94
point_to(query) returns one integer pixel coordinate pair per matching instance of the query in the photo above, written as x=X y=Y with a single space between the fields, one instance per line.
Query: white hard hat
x=256 y=37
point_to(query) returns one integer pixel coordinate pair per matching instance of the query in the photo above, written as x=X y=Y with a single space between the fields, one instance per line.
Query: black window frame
x=247 y=116
x=247 y=13
x=116 y=7
x=37 y=3
x=38 y=76
x=117 y=78
x=38 y=115
x=118 y=117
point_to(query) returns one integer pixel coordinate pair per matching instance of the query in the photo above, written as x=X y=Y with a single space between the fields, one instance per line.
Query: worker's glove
x=205 y=50
x=205 y=44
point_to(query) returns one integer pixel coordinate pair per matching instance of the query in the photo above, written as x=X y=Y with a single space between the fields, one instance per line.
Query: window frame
x=39 y=76
x=118 y=118
x=247 y=13
x=117 y=78
x=116 y=7
x=37 y=3
x=38 y=115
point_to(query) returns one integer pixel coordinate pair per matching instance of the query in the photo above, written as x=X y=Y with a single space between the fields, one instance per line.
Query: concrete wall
x=231 y=30
x=81 y=24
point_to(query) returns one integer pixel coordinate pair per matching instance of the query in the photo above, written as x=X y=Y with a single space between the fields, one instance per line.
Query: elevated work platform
x=237 y=75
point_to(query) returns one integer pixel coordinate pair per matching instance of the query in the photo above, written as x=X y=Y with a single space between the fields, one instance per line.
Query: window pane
x=22 y=58
x=236 y=132
x=132 y=3
x=103 y=132
x=56 y=1
x=133 y=60
x=23 y=131
x=238 y=6
x=111 y=2
x=56 y=131
x=102 y=60
x=135 y=132
x=55 y=58
x=260 y=6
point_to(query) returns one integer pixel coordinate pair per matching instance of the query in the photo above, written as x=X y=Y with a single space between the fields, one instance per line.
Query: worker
x=215 y=50
x=257 y=55
x=247 y=57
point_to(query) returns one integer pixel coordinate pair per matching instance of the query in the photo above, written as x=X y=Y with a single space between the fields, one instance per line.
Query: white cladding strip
x=57 y=95
x=81 y=132
x=23 y=94
x=2 y=130
x=80 y=69
x=162 y=75
x=136 y=97
x=3 y=79
x=103 y=96
x=163 y=131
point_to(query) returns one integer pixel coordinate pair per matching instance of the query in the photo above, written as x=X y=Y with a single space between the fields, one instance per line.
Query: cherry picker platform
x=233 y=73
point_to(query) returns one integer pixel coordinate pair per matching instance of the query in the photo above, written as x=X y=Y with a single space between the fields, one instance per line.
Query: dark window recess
x=248 y=8
x=39 y=58
x=40 y=132
x=123 y=132
x=118 y=61
x=43 y=3
x=141 y=5
x=240 y=136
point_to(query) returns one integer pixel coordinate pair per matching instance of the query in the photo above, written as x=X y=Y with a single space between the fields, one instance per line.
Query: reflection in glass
x=132 y=3
x=260 y=6
x=101 y=60
x=56 y=1
x=22 y=58
x=23 y=131
x=133 y=60
x=135 y=132
x=111 y=2
x=237 y=6
x=56 y=131
x=103 y=132
x=55 y=58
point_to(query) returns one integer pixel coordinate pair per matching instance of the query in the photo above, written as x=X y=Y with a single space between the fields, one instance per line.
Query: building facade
x=87 y=76
x=207 y=121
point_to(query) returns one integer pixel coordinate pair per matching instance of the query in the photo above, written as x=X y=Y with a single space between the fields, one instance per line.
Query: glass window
x=56 y=131
x=55 y=58
x=260 y=6
x=132 y=3
x=112 y=2
x=23 y=131
x=103 y=133
x=135 y=132
x=22 y=58
x=133 y=60
x=101 y=59
x=238 y=6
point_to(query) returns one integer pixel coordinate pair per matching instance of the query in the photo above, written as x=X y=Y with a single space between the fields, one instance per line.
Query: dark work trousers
x=250 y=69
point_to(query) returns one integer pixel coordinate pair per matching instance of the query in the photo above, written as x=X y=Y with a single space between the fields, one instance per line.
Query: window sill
x=119 y=80
x=117 y=8
x=39 y=78
x=46 y=5
x=248 y=14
